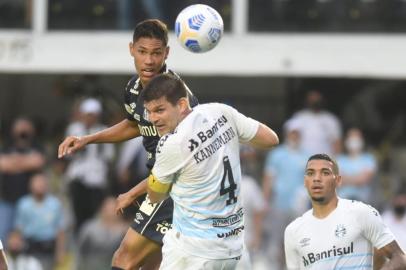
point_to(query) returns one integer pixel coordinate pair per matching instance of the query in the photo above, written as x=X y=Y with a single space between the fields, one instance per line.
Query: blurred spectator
x=250 y=165
x=254 y=207
x=40 y=221
x=320 y=130
x=131 y=170
x=100 y=237
x=131 y=165
x=283 y=187
x=87 y=172
x=16 y=257
x=395 y=218
x=254 y=211
x=357 y=168
x=18 y=161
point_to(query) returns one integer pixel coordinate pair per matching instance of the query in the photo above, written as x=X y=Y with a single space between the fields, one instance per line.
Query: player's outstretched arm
x=393 y=255
x=126 y=199
x=264 y=138
x=121 y=131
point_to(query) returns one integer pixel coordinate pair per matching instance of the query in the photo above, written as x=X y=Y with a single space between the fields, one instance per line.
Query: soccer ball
x=199 y=28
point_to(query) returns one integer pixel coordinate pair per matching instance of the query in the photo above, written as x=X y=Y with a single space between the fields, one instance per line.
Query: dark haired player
x=142 y=243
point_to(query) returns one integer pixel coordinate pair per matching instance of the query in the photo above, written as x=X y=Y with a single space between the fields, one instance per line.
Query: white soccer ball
x=199 y=28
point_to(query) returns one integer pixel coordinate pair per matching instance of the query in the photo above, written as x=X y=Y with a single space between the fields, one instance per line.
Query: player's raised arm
x=264 y=138
x=121 y=131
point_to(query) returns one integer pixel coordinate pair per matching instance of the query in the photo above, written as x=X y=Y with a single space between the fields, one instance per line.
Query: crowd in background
x=59 y=214
x=264 y=15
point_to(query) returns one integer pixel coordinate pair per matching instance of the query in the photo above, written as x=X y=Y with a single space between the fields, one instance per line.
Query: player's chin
x=318 y=198
x=162 y=132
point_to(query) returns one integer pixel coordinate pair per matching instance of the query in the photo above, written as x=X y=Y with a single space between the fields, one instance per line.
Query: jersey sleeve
x=168 y=161
x=291 y=255
x=246 y=126
x=1 y=245
x=373 y=227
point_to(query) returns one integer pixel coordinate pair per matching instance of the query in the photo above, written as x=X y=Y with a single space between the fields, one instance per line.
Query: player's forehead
x=156 y=103
x=319 y=164
x=149 y=43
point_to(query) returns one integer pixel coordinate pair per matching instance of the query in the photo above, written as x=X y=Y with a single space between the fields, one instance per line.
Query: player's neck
x=322 y=210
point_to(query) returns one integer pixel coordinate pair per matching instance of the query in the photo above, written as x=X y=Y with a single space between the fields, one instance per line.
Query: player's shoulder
x=214 y=110
x=169 y=143
x=216 y=106
x=173 y=73
x=133 y=84
x=298 y=223
x=206 y=106
x=357 y=207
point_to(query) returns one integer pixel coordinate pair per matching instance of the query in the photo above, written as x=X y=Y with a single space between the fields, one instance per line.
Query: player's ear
x=131 y=48
x=339 y=180
x=167 y=52
x=183 y=104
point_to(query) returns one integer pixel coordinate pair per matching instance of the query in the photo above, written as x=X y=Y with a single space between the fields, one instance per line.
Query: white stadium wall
x=375 y=56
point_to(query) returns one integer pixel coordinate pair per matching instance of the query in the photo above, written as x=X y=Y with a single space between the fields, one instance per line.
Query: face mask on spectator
x=399 y=210
x=354 y=144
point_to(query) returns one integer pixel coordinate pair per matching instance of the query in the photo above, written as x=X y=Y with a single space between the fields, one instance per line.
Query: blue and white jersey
x=343 y=240
x=201 y=159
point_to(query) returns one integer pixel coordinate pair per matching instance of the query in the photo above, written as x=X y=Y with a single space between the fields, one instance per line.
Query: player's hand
x=123 y=201
x=70 y=145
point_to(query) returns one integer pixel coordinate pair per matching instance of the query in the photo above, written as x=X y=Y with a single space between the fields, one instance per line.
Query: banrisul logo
x=311 y=257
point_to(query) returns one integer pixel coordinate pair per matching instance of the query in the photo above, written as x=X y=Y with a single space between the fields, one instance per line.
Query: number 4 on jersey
x=232 y=186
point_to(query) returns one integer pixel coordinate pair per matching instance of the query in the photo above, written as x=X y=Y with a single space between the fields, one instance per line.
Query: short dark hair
x=165 y=85
x=325 y=157
x=151 y=28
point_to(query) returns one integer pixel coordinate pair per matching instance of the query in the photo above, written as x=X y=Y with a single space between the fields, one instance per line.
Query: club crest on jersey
x=304 y=242
x=138 y=218
x=340 y=231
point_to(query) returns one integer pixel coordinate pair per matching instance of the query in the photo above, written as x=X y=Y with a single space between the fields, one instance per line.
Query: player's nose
x=153 y=118
x=317 y=177
x=149 y=60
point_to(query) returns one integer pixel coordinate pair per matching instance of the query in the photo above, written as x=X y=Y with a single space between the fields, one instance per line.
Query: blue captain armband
x=157 y=186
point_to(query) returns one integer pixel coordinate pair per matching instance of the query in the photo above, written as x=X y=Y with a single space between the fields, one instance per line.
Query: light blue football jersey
x=201 y=159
